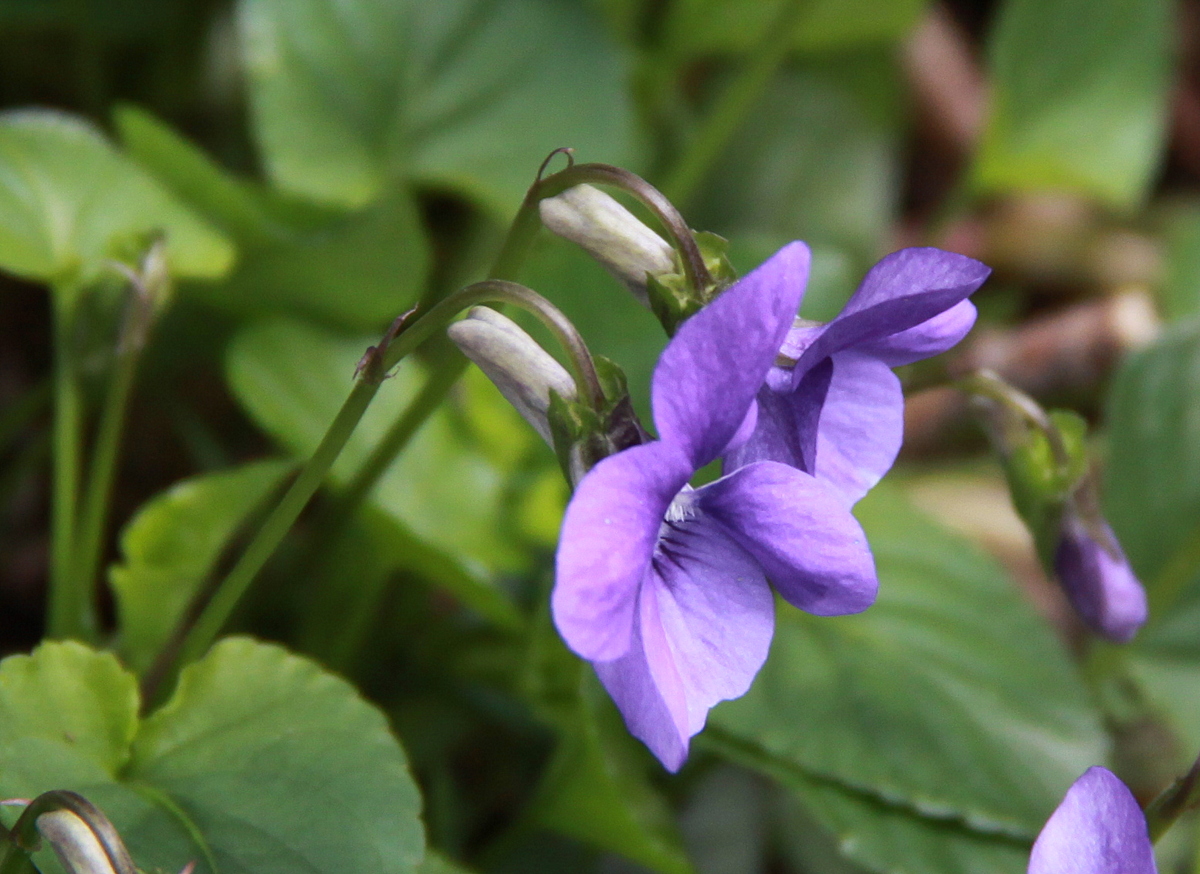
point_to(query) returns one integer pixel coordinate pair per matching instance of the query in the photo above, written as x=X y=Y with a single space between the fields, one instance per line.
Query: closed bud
x=75 y=844
x=525 y=373
x=611 y=234
x=1097 y=578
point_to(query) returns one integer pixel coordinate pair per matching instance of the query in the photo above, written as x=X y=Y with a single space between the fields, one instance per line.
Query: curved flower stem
x=402 y=337
x=231 y=589
x=986 y=384
x=70 y=612
x=93 y=516
x=1181 y=796
x=738 y=99
x=672 y=221
x=25 y=838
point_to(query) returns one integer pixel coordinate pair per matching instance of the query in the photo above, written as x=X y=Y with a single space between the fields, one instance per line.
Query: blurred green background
x=322 y=165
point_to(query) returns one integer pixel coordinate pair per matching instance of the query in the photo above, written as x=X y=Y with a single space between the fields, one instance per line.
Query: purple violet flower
x=664 y=586
x=838 y=413
x=1097 y=829
x=1097 y=578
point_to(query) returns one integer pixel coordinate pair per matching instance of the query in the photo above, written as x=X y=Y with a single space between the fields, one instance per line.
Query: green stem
x=70 y=612
x=230 y=591
x=735 y=103
x=1179 y=797
x=16 y=861
x=192 y=640
x=394 y=442
x=94 y=515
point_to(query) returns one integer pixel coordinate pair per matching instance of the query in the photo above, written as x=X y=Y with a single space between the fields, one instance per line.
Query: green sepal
x=583 y=435
x=673 y=300
x=1041 y=483
x=715 y=251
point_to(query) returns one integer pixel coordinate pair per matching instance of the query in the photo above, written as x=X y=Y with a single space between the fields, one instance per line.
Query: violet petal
x=706 y=616
x=714 y=365
x=1097 y=829
x=903 y=290
x=1100 y=586
x=861 y=426
x=788 y=424
x=931 y=337
x=606 y=544
x=799 y=530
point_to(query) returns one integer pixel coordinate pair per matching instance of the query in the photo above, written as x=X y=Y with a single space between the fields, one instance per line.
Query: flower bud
x=1097 y=578
x=524 y=372
x=74 y=842
x=611 y=234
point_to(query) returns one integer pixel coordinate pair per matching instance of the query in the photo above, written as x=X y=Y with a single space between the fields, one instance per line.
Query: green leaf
x=1152 y=500
x=443 y=496
x=231 y=204
x=1079 y=97
x=435 y=863
x=69 y=202
x=465 y=93
x=260 y=762
x=170 y=547
x=1152 y=480
x=818 y=160
x=886 y=838
x=697 y=26
x=358 y=269
x=595 y=790
x=1180 y=290
x=948 y=697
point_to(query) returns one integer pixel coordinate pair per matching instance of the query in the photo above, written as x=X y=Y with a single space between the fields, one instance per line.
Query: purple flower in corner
x=838 y=412
x=1097 y=829
x=1097 y=578
x=664 y=587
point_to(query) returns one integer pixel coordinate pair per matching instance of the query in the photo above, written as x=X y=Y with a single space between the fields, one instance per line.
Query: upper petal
x=861 y=426
x=607 y=540
x=1097 y=829
x=802 y=534
x=709 y=373
x=931 y=337
x=902 y=291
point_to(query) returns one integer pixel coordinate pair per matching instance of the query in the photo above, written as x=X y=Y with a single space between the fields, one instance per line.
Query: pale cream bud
x=609 y=233
x=74 y=842
x=524 y=372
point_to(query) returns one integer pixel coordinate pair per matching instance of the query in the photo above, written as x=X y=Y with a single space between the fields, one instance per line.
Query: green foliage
x=595 y=788
x=259 y=763
x=816 y=161
x=1180 y=292
x=1152 y=500
x=890 y=838
x=949 y=652
x=358 y=269
x=1152 y=495
x=170 y=547
x=350 y=97
x=1079 y=91
x=69 y=202
x=696 y=26
x=442 y=495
